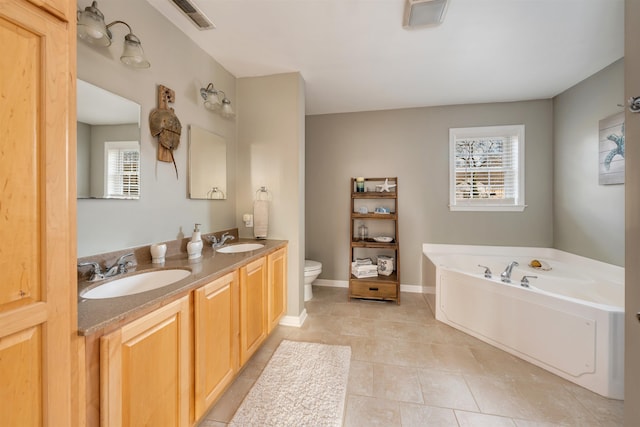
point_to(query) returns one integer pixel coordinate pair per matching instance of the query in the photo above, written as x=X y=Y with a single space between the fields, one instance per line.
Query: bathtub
x=570 y=321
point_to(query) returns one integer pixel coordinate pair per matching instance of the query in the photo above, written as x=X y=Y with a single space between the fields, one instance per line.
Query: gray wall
x=163 y=212
x=413 y=145
x=271 y=154
x=588 y=218
x=83 y=156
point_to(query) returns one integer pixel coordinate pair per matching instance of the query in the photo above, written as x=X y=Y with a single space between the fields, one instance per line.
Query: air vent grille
x=421 y=13
x=195 y=14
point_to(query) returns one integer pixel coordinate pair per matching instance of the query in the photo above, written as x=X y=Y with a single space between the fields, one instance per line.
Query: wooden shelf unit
x=380 y=287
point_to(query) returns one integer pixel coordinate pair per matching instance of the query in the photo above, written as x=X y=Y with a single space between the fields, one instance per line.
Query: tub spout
x=505 y=276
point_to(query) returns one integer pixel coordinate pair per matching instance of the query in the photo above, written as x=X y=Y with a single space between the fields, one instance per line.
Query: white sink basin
x=136 y=283
x=241 y=247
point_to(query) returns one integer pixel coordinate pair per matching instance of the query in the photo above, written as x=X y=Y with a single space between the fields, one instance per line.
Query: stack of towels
x=364 y=267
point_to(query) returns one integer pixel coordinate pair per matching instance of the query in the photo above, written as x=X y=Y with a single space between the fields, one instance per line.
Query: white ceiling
x=354 y=55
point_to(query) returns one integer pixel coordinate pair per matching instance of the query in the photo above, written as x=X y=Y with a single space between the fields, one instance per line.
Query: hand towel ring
x=263 y=194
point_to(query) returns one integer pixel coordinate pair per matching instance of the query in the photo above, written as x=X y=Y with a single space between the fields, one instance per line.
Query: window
x=123 y=169
x=486 y=166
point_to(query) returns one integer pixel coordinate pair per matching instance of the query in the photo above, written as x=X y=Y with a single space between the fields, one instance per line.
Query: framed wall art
x=611 y=150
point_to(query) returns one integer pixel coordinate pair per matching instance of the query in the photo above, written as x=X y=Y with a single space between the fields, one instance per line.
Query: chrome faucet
x=120 y=267
x=215 y=243
x=524 y=282
x=96 y=272
x=487 y=271
x=505 y=276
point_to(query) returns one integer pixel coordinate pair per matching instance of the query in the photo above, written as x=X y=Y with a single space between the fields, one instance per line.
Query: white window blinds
x=487 y=168
x=123 y=170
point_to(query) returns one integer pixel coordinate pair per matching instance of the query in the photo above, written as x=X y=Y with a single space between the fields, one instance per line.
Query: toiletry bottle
x=194 y=247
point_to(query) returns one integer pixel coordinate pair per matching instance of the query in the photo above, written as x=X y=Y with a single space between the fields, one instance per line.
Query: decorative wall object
x=611 y=150
x=164 y=125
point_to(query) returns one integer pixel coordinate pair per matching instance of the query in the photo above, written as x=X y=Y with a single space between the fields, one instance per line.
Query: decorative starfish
x=619 y=150
x=386 y=186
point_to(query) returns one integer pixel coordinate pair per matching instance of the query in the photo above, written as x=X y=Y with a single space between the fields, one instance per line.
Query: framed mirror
x=207 y=165
x=108 y=144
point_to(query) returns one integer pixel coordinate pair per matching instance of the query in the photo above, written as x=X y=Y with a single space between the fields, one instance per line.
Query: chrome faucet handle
x=120 y=266
x=95 y=265
x=487 y=271
x=213 y=240
x=121 y=261
x=96 y=272
x=124 y=267
x=524 y=282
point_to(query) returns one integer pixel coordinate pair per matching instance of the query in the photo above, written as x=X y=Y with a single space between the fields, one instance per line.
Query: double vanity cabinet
x=169 y=366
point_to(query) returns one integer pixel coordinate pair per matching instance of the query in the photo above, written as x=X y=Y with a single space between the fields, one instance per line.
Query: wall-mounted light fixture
x=93 y=30
x=216 y=100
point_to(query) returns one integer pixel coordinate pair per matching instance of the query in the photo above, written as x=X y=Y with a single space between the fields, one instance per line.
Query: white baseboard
x=296 y=321
x=332 y=283
x=414 y=289
x=417 y=289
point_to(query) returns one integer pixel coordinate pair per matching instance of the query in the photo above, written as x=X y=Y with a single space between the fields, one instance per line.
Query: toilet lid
x=310 y=265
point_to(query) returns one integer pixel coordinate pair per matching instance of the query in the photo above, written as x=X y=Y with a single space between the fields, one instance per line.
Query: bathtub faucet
x=505 y=276
x=487 y=271
x=524 y=282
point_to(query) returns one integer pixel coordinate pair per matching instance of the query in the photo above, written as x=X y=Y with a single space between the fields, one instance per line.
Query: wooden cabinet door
x=37 y=210
x=60 y=8
x=277 y=286
x=253 y=308
x=144 y=370
x=216 y=339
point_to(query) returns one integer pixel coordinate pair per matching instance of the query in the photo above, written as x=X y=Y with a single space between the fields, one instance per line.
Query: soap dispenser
x=194 y=247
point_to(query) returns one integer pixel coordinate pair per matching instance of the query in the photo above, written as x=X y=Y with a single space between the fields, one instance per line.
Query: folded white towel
x=260 y=218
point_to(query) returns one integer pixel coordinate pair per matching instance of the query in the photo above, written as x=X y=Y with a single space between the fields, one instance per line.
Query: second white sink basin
x=136 y=283
x=241 y=247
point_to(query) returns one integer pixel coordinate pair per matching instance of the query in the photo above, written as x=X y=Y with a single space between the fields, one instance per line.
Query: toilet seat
x=312 y=270
x=311 y=267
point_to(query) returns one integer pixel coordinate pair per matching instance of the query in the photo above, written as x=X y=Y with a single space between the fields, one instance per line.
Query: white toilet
x=312 y=270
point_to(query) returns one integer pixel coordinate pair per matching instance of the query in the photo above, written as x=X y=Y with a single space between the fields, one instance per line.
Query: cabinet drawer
x=373 y=290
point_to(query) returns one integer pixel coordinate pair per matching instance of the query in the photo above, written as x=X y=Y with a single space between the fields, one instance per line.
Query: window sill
x=488 y=208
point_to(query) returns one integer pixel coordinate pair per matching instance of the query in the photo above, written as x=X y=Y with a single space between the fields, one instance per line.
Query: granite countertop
x=97 y=316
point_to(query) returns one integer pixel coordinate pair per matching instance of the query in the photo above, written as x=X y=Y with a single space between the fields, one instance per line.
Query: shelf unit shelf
x=379 y=287
x=391 y=216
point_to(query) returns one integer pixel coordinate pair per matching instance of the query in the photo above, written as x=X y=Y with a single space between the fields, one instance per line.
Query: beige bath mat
x=304 y=384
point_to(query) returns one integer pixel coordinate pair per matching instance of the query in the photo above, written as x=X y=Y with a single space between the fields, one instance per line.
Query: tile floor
x=407 y=369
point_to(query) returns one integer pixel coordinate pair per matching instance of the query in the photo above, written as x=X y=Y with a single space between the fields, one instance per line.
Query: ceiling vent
x=194 y=13
x=423 y=13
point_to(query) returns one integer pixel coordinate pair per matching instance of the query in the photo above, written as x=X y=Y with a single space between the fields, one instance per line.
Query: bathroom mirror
x=108 y=144
x=207 y=165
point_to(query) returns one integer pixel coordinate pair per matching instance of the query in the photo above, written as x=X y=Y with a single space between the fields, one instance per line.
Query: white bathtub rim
x=598 y=270
x=431 y=250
